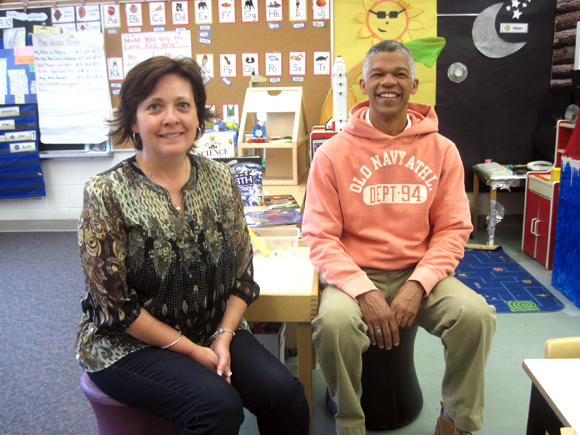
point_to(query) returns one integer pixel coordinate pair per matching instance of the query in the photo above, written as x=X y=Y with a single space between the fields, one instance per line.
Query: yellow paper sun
x=389 y=19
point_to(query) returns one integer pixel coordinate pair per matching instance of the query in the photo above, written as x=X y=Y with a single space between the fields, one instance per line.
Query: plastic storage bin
x=275 y=241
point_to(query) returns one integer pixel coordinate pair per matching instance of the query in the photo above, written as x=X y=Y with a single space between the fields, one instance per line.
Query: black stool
x=391 y=395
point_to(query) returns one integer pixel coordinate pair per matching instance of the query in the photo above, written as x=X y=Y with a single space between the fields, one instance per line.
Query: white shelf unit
x=286 y=161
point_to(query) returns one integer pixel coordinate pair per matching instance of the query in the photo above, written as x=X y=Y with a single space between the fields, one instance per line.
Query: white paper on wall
x=70 y=72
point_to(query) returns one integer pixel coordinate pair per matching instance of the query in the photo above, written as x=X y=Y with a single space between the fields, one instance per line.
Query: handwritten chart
x=140 y=46
x=72 y=87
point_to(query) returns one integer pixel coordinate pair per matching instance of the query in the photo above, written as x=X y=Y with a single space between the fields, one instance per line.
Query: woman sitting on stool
x=168 y=266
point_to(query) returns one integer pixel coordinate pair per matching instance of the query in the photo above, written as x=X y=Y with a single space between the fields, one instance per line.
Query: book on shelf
x=248 y=173
x=289 y=216
x=273 y=202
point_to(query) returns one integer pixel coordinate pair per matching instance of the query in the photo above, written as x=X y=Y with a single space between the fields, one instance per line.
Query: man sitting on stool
x=387 y=219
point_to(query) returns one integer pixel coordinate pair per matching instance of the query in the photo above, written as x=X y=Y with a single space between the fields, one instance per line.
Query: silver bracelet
x=175 y=342
x=221 y=331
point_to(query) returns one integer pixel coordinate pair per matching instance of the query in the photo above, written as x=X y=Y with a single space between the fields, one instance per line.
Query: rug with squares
x=504 y=283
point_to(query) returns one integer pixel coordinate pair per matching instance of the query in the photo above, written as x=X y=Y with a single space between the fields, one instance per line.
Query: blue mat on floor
x=504 y=283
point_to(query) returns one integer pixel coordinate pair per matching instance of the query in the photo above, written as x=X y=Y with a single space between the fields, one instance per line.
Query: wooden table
x=555 y=399
x=289 y=293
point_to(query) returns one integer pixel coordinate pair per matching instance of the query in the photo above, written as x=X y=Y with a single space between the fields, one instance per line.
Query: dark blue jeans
x=180 y=389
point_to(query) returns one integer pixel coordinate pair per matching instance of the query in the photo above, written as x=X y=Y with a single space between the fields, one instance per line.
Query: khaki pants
x=461 y=318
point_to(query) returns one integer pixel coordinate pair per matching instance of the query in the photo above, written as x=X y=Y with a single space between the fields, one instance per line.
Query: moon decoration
x=485 y=37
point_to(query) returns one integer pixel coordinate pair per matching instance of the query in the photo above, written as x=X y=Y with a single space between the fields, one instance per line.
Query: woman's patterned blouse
x=138 y=252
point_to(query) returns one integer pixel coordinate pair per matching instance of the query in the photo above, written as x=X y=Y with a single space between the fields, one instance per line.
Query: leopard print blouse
x=138 y=252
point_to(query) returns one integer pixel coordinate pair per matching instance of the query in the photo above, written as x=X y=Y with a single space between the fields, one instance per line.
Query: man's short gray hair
x=388 y=46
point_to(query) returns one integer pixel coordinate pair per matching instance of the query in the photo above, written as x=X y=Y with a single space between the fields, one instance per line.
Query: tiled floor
x=519 y=336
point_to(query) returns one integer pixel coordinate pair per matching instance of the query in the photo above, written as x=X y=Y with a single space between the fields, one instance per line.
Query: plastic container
x=275 y=241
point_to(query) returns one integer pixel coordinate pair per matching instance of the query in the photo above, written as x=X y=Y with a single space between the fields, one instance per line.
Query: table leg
x=304 y=344
x=475 y=217
x=541 y=417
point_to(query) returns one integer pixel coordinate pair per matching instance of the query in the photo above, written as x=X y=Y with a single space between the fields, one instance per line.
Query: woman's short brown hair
x=139 y=83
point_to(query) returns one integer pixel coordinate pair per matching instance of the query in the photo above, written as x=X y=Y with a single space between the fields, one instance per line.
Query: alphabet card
x=273 y=64
x=134 y=14
x=227 y=11
x=321 y=63
x=115 y=68
x=111 y=16
x=250 y=64
x=297 y=63
x=205 y=61
x=228 y=65
x=180 y=13
x=274 y=10
x=320 y=10
x=250 y=11
x=157 y=15
x=297 y=9
x=231 y=113
x=203 y=12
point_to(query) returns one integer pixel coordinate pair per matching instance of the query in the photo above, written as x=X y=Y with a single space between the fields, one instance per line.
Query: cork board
x=310 y=39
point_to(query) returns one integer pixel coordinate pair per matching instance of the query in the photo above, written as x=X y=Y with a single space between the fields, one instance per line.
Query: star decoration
x=524 y=5
x=517 y=14
x=515 y=4
x=508 y=8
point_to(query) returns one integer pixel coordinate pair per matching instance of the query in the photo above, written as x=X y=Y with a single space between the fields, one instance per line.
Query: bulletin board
x=300 y=32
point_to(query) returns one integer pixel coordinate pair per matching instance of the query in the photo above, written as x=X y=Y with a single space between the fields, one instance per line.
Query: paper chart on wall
x=72 y=88
x=138 y=47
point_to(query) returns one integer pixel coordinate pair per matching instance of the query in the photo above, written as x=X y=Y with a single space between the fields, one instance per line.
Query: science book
x=248 y=173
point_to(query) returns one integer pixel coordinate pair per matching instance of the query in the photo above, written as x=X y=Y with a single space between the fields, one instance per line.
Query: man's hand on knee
x=406 y=303
x=382 y=326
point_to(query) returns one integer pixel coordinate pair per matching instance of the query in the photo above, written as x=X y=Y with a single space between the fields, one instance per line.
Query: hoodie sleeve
x=322 y=228
x=450 y=221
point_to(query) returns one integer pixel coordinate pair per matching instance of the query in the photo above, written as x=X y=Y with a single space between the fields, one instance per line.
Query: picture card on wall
x=134 y=14
x=63 y=14
x=115 y=68
x=297 y=63
x=250 y=65
x=111 y=16
x=274 y=11
x=297 y=10
x=205 y=62
x=273 y=63
x=88 y=13
x=202 y=9
x=250 y=11
x=180 y=13
x=227 y=11
x=157 y=15
x=228 y=65
x=321 y=10
x=231 y=113
x=321 y=63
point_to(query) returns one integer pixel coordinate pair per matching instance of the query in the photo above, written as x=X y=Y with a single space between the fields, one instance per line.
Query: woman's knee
x=221 y=412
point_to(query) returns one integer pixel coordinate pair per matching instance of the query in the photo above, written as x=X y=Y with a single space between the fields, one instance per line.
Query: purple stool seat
x=114 y=418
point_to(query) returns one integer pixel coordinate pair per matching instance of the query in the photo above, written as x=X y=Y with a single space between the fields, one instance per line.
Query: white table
x=555 y=388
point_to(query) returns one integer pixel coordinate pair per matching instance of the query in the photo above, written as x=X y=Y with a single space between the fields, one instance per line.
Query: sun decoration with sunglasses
x=388 y=19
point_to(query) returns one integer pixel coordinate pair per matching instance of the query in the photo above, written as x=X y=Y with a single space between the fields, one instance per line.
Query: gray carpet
x=41 y=283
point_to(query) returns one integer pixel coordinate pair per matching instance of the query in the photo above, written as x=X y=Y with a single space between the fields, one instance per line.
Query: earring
x=136 y=138
x=198 y=132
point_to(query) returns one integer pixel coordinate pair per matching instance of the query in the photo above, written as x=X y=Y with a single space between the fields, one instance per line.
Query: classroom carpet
x=504 y=283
